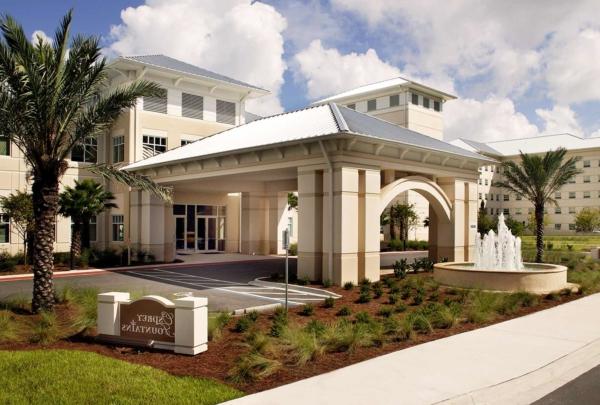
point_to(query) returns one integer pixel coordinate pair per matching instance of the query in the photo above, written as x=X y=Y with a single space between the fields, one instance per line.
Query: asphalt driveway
x=224 y=284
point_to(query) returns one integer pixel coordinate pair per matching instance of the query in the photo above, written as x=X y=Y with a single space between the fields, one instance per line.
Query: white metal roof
x=535 y=144
x=382 y=86
x=311 y=122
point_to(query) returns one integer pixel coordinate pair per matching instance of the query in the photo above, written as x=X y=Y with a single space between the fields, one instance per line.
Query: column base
x=310 y=265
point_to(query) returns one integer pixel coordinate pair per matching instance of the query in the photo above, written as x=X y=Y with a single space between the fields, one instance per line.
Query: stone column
x=369 y=229
x=191 y=325
x=310 y=223
x=254 y=224
x=108 y=312
x=471 y=210
x=153 y=225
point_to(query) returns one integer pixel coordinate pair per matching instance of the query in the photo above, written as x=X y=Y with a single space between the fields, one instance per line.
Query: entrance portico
x=346 y=168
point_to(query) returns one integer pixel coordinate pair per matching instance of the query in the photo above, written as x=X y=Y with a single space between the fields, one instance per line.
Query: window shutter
x=225 y=112
x=156 y=104
x=192 y=106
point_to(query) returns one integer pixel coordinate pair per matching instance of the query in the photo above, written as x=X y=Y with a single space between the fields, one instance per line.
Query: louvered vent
x=192 y=106
x=156 y=104
x=225 y=112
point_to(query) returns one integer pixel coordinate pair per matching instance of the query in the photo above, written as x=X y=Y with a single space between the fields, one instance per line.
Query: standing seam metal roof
x=311 y=122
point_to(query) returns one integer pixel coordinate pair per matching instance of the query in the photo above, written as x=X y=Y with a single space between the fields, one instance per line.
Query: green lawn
x=579 y=243
x=76 y=377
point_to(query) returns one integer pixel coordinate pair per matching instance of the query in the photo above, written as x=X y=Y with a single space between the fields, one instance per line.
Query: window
x=290 y=226
x=572 y=210
x=586 y=194
x=425 y=102
x=557 y=210
x=506 y=211
x=153 y=145
x=414 y=99
x=4 y=228
x=530 y=210
x=351 y=106
x=572 y=227
x=156 y=103
x=192 y=106
x=586 y=179
x=557 y=195
x=118 y=228
x=518 y=211
x=394 y=101
x=572 y=180
x=586 y=163
x=506 y=197
x=437 y=106
x=479 y=182
x=185 y=142
x=497 y=197
x=571 y=194
x=225 y=112
x=486 y=182
x=85 y=151
x=4 y=146
x=92 y=228
x=557 y=227
x=371 y=105
x=178 y=209
x=480 y=196
x=118 y=148
x=519 y=197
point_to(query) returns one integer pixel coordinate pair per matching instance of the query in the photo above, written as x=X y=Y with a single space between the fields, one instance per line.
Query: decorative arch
x=431 y=191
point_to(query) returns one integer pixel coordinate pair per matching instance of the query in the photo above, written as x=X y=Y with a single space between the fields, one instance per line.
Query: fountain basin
x=535 y=278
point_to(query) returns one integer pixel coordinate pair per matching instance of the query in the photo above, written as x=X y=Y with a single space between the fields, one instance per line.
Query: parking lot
x=226 y=285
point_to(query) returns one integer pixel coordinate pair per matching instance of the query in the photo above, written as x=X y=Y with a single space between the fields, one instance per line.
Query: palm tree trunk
x=539 y=233
x=75 y=242
x=85 y=233
x=45 y=207
x=392 y=228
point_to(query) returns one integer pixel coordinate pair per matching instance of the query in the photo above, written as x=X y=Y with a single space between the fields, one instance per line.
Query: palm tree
x=537 y=178
x=53 y=95
x=82 y=202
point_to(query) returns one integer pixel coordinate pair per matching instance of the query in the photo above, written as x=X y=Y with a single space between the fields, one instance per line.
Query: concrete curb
x=260 y=282
x=259 y=308
x=537 y=383
x=94 y=271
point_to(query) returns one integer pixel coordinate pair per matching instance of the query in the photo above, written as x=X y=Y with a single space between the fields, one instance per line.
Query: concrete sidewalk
x=513 y=362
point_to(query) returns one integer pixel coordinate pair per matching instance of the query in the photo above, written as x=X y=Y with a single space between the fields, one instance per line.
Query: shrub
x=45 y=330
x=216 y=324
x=315 y=327
x=377 y=289
x=400 y=268
x=364 y=297
x=365 y=281
x=400 y=307
x=329 y=302
x=251 y=367
x=293 y=249
x=363 y=317
x=348 y=285
x=244 y=322
x=344 y=311
x=280 y=321
x=327 y=283
x=303 y=281
x=386 y=311
x=392 y=299
x=307 y=310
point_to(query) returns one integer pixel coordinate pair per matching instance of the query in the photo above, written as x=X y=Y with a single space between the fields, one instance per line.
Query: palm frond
x=134 y=180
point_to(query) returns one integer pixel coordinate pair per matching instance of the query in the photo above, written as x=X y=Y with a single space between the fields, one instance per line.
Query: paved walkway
x=513 y=362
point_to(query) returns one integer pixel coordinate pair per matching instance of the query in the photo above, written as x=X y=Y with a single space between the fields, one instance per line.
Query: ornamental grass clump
x=393 y=299
x=46 y=329
x=377 y=289
x=252 y=366
x=329 y=302
x=481 y=306
x=348 y=285
x=302 y=344
x=386 y=311
x=344 y=311
x=307 y=310
x=216 y=324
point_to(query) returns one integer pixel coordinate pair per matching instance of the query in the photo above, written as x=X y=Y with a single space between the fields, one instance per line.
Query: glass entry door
x=180 y=233
x=206 y=234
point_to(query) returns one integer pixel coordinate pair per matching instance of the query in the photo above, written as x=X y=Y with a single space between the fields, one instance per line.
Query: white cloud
x=493 y=119
x=239 y=38
x=327 y=71
x=41 y=34
x=560 y=119
x=507 y=45
x=573 y=68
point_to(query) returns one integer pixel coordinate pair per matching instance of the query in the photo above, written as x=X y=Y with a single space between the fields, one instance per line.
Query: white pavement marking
x=294 y=296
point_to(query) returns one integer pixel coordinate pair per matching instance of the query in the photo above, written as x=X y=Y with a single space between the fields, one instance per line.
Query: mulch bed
x=222 y=354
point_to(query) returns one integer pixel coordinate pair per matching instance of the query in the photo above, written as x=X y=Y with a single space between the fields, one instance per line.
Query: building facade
x=582 y=192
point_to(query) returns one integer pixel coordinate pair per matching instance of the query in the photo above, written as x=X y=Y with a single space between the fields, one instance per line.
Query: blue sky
x=519 y=68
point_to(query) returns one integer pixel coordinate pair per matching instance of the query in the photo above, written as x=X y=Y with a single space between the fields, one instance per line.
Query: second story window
x=225 y=112
x=153 y=145
x=557 y=195
x=437 y=106
x=192 y=106
x=4 y=146
x=371 y=105
x=118 y=148
x=586 y=163
x=506 y=197
x=586 y=179
x=395 y=100
x=85 y=151
x=156 y=103
x=425 y=102
x=414 y=99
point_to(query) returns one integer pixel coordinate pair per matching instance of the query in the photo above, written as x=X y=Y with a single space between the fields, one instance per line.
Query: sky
x=520 y=68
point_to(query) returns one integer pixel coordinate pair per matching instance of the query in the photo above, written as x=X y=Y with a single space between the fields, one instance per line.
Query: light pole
x=286 y=245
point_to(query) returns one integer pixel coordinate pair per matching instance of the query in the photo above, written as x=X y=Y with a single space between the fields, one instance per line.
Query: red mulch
x=221 y=355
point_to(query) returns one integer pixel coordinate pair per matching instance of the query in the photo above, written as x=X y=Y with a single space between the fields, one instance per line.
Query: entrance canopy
x=345 y=166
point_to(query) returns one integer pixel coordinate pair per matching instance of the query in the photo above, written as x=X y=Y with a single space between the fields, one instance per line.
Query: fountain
x=498 y=266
